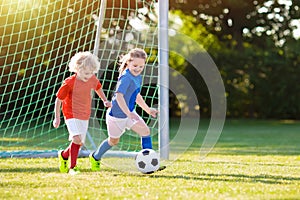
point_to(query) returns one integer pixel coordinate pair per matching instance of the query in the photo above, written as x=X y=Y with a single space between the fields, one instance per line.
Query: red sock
x=65 y=153
x=74 y=150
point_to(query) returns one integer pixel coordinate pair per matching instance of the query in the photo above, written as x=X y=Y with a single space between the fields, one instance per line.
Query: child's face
x=136 y=66
x=85 y=74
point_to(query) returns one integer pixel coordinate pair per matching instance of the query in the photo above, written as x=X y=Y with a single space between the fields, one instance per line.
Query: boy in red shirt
x=75 y=98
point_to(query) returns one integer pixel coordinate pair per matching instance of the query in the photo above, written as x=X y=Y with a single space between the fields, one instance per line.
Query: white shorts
x=117 y=126
x=77 y=127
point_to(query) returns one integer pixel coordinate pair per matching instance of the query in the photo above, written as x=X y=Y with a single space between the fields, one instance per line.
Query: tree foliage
x=258 y=58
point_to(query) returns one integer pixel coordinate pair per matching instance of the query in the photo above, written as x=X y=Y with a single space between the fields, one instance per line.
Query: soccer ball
x=147 y=161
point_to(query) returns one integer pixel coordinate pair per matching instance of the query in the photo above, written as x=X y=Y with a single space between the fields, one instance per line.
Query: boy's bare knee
x=77 y=140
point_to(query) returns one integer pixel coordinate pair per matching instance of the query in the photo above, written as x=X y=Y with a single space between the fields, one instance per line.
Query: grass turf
x=252 y=160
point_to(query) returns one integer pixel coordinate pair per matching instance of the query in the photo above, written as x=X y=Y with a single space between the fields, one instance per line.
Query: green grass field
x=252 y=160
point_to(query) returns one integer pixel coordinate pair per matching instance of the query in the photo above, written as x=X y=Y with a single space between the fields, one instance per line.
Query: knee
x=143 y=129
x=113 y=141
x=77 y=140
x=146 y=131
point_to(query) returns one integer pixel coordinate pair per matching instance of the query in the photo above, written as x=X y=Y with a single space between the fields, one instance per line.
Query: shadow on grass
x=266 y=179
x=29 y=170
x=263 y=178
x=46 y=170
x=213 y=177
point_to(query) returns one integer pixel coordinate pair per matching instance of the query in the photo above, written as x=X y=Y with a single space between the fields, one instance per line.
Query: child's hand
x=153 y=112
x=107 y=103
x=133 y=116
x=56 y=122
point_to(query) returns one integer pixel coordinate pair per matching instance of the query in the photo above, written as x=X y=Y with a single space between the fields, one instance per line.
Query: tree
x=187 y=26
x=241 y=19
x=258 y=59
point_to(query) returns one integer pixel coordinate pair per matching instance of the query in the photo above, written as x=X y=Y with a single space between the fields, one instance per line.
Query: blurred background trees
x=255 y=45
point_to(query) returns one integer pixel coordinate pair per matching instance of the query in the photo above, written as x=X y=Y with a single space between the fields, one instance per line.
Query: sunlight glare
x=296 y=32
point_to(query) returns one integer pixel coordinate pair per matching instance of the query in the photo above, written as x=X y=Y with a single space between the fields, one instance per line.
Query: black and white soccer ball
x=147 y=161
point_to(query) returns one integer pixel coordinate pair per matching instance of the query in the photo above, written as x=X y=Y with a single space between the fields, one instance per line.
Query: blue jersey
x=130 y=87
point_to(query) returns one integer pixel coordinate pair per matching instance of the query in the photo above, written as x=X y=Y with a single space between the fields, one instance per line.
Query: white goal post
x=163 y=49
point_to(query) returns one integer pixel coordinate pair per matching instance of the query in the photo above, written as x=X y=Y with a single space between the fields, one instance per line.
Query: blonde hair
x=84 y=60
x=133 y=53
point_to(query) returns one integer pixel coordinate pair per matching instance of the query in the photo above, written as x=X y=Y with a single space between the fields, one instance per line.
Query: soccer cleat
x=74 y=171
x=63 y=164
x=95 y=164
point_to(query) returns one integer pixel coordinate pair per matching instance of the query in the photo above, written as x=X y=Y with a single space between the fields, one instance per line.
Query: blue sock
x=146 y=142
x=104 y=147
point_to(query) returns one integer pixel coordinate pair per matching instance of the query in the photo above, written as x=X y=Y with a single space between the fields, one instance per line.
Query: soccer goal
x=38 y=39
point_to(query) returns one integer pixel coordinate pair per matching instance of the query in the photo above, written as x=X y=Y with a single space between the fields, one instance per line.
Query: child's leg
x=74 y=150
x=75 y=127
x=65 y=153
x=146 y=142
x=143 y=130
x=104 y=147
x=115 y=130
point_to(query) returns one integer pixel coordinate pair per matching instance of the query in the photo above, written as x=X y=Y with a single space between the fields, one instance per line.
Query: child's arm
x=122 y=103
x=103 y=97
x=141 y=102
x=57 y=106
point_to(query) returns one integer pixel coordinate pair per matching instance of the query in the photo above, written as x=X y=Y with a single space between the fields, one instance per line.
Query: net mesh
x=38 y=38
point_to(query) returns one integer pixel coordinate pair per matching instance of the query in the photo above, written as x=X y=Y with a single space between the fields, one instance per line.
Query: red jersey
x=76 y=97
